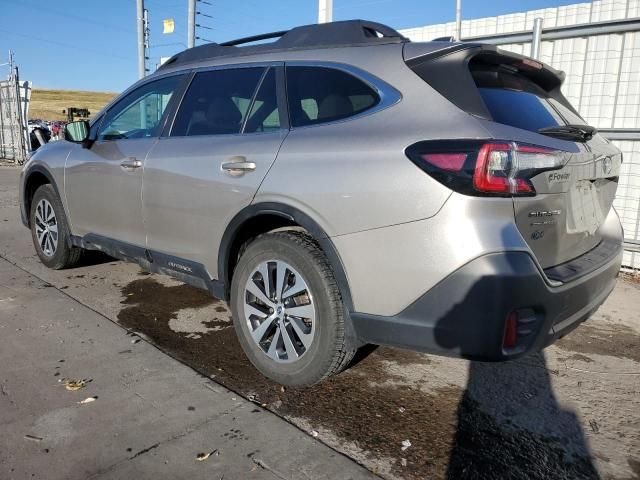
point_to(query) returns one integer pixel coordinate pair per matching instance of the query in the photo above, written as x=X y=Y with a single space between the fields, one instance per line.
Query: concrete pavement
x=152 y=415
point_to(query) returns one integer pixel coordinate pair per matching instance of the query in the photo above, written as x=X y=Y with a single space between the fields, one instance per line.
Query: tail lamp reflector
x=452 y=162
x=510 y=331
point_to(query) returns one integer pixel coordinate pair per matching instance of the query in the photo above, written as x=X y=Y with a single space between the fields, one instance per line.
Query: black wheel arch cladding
x=28 y=193
x=294 y=216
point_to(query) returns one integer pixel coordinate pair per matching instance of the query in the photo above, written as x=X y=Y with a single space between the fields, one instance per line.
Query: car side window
x=323 y=94
x=217 y=102
x=264 y=115
x=139 y=113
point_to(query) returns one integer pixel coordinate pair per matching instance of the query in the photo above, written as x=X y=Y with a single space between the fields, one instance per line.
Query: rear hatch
x=519 y=102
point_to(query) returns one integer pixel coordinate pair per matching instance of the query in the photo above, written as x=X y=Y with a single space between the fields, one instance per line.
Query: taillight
x=485 y=168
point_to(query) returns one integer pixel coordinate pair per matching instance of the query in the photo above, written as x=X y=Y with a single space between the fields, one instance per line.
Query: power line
x=202 y=14
x=62 y=44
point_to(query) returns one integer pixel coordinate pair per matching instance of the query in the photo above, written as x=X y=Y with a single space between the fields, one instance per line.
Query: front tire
x=287 y=310
x=50 y=230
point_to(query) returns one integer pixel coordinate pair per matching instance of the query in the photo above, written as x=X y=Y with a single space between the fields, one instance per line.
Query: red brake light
x=528 y=64
x=492 y=168
x=497 y=167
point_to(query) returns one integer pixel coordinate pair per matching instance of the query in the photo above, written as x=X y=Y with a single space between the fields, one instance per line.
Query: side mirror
x=77 y=132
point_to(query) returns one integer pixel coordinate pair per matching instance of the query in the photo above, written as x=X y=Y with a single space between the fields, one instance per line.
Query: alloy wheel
x=279 y=311
x=46 y=225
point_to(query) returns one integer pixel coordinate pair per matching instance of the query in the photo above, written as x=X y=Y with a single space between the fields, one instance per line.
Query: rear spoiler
x=448 y=70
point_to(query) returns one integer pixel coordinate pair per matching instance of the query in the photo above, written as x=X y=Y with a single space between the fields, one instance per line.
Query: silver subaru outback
x=341 y=187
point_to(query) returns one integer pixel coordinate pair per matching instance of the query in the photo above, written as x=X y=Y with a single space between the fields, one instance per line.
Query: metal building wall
x=603 y=80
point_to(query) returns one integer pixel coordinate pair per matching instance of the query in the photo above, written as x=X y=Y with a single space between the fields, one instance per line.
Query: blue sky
x=91 y=44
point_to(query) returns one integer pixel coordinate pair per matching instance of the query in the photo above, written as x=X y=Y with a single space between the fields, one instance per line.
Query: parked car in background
x=39 y=133
x=37 y=123
x=343 y=186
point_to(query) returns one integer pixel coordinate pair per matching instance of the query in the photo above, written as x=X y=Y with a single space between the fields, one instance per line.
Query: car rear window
x=520 y=109
x=490 y=83
x=569 y=115
x=514 y=100
x=320 y=95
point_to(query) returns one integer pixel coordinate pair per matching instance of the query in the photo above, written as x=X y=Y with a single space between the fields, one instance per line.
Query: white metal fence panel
x=603 y=79
x=14 y=110
x=627 y=202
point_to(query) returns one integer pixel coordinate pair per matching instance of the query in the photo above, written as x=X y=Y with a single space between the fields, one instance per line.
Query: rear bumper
x=465 y=314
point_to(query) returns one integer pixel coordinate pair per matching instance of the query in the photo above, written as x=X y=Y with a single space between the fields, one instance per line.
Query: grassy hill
x=48 y=104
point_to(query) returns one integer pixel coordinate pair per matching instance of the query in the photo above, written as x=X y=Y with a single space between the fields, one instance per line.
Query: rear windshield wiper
x=581 y=133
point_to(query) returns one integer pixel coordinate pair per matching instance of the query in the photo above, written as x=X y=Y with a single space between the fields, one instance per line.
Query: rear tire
x=50 y=230
x=295 y=336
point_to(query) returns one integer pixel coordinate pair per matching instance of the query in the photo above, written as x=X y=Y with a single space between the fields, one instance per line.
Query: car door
x=224 y=138
x=103 y=183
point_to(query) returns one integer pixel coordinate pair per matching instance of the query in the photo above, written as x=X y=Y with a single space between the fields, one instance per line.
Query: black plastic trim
x=465 y=314
x=296 y=216
x=584 y=264
x=186 y=271
x=281 y=91
x=24 y=207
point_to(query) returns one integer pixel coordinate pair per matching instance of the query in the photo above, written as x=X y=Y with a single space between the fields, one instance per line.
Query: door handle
x=238 y=165
x=131 y=162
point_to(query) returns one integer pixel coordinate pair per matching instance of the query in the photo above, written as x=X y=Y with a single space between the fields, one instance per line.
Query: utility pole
x=458 y=20
x=325 y=11
x=191 y=24
x=536 y=38
x=141 y=37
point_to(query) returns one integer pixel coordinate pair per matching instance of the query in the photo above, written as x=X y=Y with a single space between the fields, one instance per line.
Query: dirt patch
x=367 y=407
x=633 y=277
x=150 y=305
x=377 y=418
x=401 y=357
x=589 y=339
x=579 y=357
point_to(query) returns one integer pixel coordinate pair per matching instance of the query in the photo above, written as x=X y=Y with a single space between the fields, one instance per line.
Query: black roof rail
x=448 y=38
x=324 y=35
x=254 y=38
